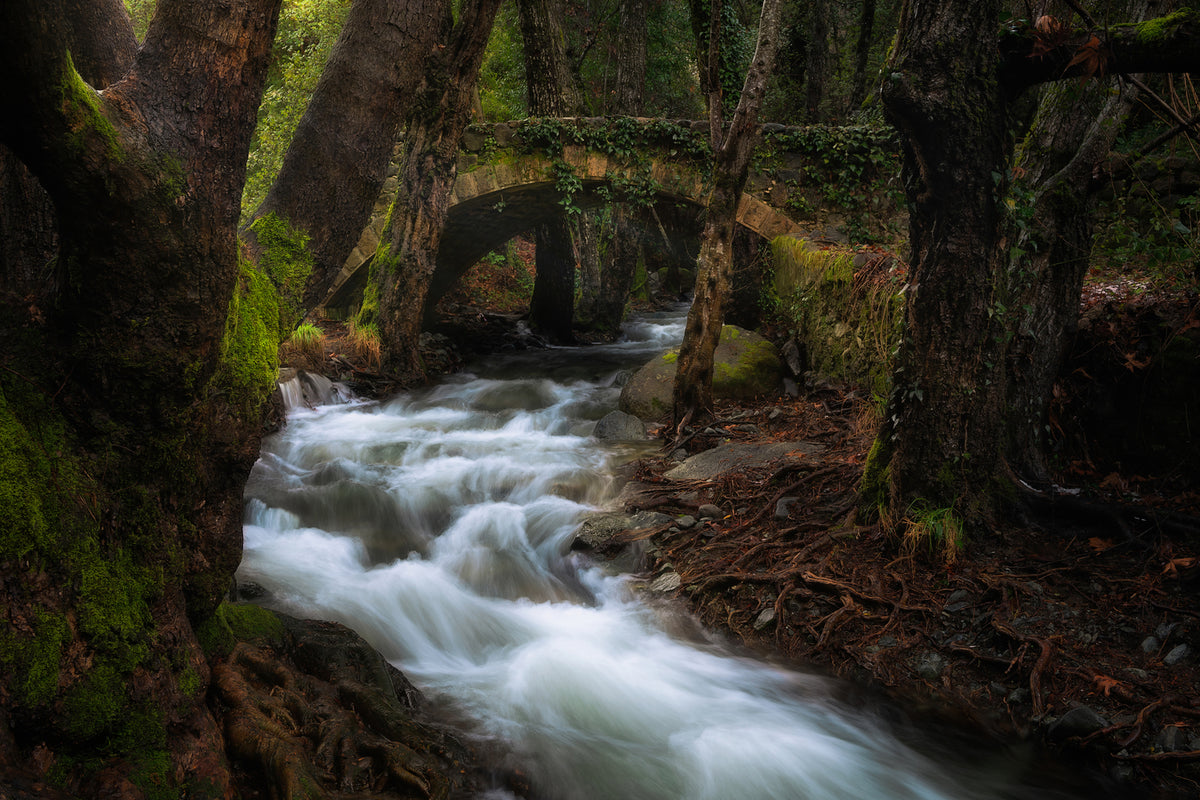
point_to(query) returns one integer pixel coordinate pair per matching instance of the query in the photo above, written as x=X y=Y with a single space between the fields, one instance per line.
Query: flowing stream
x=438 y=525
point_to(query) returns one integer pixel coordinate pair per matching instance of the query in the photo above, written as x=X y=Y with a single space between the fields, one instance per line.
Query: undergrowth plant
x=939 y=531
x=366 y=342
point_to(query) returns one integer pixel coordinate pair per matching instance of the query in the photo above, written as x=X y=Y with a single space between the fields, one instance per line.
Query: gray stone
x=1178 y=653
x=765 y=618
x=1150 y=645
x=1077 y=722
x=667 y=582
x=719 y=460
x=931 y=666
x=1018 y=696
x=783 y=508
x=504 y=134
x=619 y=426
x=1171 y=739
x=686 y=521
x=1163 y=631
x=598 y=529
x=710 y=511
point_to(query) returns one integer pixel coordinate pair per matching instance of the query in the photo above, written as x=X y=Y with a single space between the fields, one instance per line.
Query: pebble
x=710 y=511
x=1170 y=739
x=765 y=618
x=1150 y=645
x=1077 y=722
x=931 y=667
x=783 y=508
x=686 y=521
x=667 y=582
x=1178 y=653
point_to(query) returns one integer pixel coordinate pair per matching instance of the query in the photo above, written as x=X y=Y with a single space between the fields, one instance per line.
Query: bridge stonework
x=509 y=180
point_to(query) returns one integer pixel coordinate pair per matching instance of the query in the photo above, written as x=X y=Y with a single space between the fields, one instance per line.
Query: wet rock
x=598 y=529
x=619 y=426
x=1077 y=722
x=745 y=365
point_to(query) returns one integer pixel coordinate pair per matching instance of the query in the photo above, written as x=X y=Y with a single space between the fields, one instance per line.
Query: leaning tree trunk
x=407 y=257
x=694 y=368
x=336 y=163
x=122 y=482
x=944 y=428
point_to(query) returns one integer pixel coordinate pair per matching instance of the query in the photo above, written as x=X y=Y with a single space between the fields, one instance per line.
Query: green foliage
x=855 y=168
x=140 y=13
x=502 y=75
x=250 y=349
x=307 y=32
x=938 y=530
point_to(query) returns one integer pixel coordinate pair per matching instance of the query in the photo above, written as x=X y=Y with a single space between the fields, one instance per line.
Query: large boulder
x=745 y=366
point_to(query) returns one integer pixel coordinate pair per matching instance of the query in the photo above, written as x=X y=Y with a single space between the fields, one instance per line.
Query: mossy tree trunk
x=407 y=257
x=987 y=316
x=123 y=456
x=694 y=371
x=335 y=166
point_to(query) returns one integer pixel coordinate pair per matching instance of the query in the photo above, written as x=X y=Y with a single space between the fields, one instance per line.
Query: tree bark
x=553 y=92
x=816 y=70
x=942 y=438
x=401 y=271
x=337 y=161
x=862 y=53
x=1051 y=234
x=694 y=368
x=631 y=66
x=126 y=462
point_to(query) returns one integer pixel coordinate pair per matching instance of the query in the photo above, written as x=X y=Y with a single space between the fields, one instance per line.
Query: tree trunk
x=1051 y=231
x=402 y=269
x=122 y=464
x=631 y=66
x=694 y=368
x=816 y=70
x=942 y=440
x=337 y=161
x=862 y=53
x=553 y=92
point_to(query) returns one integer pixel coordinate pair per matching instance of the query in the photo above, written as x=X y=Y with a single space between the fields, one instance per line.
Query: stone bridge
x=512 y=176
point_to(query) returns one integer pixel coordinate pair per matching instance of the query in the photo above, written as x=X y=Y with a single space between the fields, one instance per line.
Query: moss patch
x=234 y=622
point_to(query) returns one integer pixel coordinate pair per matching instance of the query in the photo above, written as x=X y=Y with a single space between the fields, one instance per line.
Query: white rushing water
x=438 y=526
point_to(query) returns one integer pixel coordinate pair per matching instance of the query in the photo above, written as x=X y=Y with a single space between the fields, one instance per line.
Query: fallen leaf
x=1175 y=564
x=1100 y=545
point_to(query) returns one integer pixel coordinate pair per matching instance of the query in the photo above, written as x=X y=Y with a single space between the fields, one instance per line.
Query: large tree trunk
x=694 y=368
x=862 y=53
x=553 y=92
x=402 y=269
x=816 y=68
x=122 y=469
x=943 y=437
x=337 y=161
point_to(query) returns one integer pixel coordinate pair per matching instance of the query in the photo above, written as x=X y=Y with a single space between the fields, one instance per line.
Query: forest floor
x=1074 y=628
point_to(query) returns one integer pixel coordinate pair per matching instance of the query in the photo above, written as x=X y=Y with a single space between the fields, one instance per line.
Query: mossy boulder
x=745 y=366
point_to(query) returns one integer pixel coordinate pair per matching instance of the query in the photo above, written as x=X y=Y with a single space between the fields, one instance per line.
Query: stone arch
x=493 y=203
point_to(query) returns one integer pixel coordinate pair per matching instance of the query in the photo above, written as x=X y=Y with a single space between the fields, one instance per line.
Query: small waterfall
x=438 y=525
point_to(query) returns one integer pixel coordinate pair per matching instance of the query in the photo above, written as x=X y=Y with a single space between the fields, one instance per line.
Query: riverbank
x=1076 y=631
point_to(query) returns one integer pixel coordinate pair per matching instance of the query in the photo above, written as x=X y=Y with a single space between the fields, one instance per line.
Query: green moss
x=250 y=349
x=1154 y=32
x=81 y=107
x=285 y=258
x=34 y=661
x=671 y=356
x=757 y=367
x=25 y=472
x=234 y=622
x=875 y=486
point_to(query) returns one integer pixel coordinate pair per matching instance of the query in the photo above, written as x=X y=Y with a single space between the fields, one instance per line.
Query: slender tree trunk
x=816 y=70
x=631 y=66
x=693 y=375
x=404 y=265
x=336 y=164
x=862 y=53
x=1051 y=231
